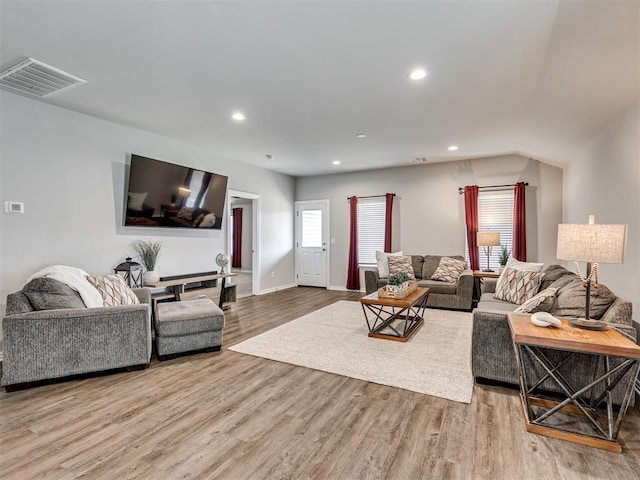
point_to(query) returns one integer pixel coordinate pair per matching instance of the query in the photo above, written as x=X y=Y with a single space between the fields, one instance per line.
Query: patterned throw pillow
x=114 y=290
x=517 y=286
x=542 y=302
x=382 y=259
x=398 y=263
x=449 y=270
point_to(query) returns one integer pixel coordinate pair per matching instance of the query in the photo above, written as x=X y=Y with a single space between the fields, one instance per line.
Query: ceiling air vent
x=38 y=79
x=418 y=160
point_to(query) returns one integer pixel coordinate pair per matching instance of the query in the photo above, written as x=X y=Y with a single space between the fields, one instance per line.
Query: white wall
x=429 y=212
x=69 y=169
x=605 y=182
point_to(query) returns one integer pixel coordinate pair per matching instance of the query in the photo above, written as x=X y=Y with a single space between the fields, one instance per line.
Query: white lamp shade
x=488 y=239
x=599 y=243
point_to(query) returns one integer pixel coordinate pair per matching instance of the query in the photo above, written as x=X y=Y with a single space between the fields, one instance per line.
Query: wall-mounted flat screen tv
x=161 y=194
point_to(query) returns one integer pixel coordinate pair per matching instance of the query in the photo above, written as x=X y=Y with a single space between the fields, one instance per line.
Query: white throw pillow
x=208 y=220
x=535 y=304
x=382 y=259
x=524 y=266
x=136 y=200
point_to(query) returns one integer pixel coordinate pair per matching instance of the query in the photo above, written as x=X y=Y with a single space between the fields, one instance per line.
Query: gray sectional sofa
x=453 y=296
x=493 y=355
x=48 y=344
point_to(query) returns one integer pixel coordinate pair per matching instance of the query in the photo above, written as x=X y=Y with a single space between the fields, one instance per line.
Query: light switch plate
x=13 y=207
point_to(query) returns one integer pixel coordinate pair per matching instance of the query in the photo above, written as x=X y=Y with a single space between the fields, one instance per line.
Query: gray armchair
x=47 y=344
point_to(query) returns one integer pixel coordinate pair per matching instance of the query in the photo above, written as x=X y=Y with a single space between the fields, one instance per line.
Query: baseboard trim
x=277 y=289
x=344 y=289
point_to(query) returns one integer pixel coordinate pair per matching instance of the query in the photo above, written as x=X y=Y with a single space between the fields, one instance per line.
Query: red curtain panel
x=236 y=258
x=353 y=278
x=471 y=216
x=388 y=220
x=519 y=223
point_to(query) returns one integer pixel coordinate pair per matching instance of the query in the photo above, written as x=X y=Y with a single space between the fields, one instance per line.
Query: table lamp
x=593 y=244
x=488 y=240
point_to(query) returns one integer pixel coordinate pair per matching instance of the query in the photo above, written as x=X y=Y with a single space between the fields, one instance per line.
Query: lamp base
x=488 y=270
x=588 y=324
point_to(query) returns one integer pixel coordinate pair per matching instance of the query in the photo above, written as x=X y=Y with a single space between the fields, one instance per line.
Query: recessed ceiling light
x=418 y=74
x=452 y=148
x=239 y=116
x=361 y=135
x=336 y=162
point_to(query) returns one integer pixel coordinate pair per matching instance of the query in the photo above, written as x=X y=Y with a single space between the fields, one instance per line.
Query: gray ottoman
x=188 y=325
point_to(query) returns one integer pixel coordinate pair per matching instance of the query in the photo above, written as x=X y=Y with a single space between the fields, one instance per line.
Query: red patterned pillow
x=449 y=270
x=398 y=263
x=517 y=286
x=114 y=290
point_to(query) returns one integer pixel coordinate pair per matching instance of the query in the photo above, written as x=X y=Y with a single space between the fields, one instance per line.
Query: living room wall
x=429 y=212
x=69 y=170
x=606 y=182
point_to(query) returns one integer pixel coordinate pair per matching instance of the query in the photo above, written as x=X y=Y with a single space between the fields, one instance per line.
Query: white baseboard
x=277 y=289
x=343 y=289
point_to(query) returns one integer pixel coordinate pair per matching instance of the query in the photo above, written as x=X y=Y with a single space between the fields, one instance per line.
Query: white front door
x=312 y=222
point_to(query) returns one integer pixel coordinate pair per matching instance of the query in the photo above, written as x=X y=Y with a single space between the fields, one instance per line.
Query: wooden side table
x=592 y=423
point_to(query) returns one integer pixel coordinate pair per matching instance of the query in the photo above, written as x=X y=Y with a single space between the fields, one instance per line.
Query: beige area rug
x=435 y=361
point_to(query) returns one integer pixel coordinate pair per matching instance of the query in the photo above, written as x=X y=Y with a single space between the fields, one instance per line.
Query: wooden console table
x=176 y=286
x=583 y=421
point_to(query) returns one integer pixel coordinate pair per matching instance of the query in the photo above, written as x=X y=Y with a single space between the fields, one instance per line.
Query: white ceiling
x=540 y=78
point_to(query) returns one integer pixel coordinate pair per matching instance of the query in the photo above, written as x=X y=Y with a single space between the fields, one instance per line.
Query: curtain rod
x=461 y=189
x=372 y=196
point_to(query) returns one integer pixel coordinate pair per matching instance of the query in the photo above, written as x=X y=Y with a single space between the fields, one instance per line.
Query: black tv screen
x=161 y=194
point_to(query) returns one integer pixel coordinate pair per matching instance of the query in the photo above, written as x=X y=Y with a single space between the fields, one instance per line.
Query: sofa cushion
x=49 y=294
x=114 y=290
x=401 y=263
x=524 y=266
x=382 y=259
x=571 y=299
x=542 y=302
x=517 y=286
x=449 y=270
x=417 y=261
x=436 y=286
x=188 y=317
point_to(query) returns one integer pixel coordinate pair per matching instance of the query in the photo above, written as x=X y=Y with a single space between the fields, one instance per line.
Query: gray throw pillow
x=571 y=299
x=49 y=294
x=553 y=273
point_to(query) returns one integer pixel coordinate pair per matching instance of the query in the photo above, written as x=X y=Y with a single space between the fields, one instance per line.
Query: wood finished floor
x=232 y=416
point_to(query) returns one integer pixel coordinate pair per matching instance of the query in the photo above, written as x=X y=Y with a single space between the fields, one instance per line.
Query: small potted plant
x=398 y=281
x=503 y=258
x=148 y=253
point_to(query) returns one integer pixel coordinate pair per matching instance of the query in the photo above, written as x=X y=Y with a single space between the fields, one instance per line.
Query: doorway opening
x=244 y=241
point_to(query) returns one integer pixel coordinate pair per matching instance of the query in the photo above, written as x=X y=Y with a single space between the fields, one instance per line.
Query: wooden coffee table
x=393 y=318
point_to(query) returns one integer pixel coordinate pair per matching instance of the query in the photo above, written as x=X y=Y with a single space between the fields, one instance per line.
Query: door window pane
x=311 y=228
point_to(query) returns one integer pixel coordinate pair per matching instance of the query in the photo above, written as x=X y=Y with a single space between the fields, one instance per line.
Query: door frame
x=255 y=240
x=327 y=235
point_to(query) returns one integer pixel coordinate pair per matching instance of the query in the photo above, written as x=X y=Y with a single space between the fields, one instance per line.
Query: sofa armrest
x=489 y=285
x=371 y=278
x=465 y=284
x=143 y=294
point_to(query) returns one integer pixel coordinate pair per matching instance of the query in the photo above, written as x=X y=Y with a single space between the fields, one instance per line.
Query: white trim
x=344 y=289
x=278 y=288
